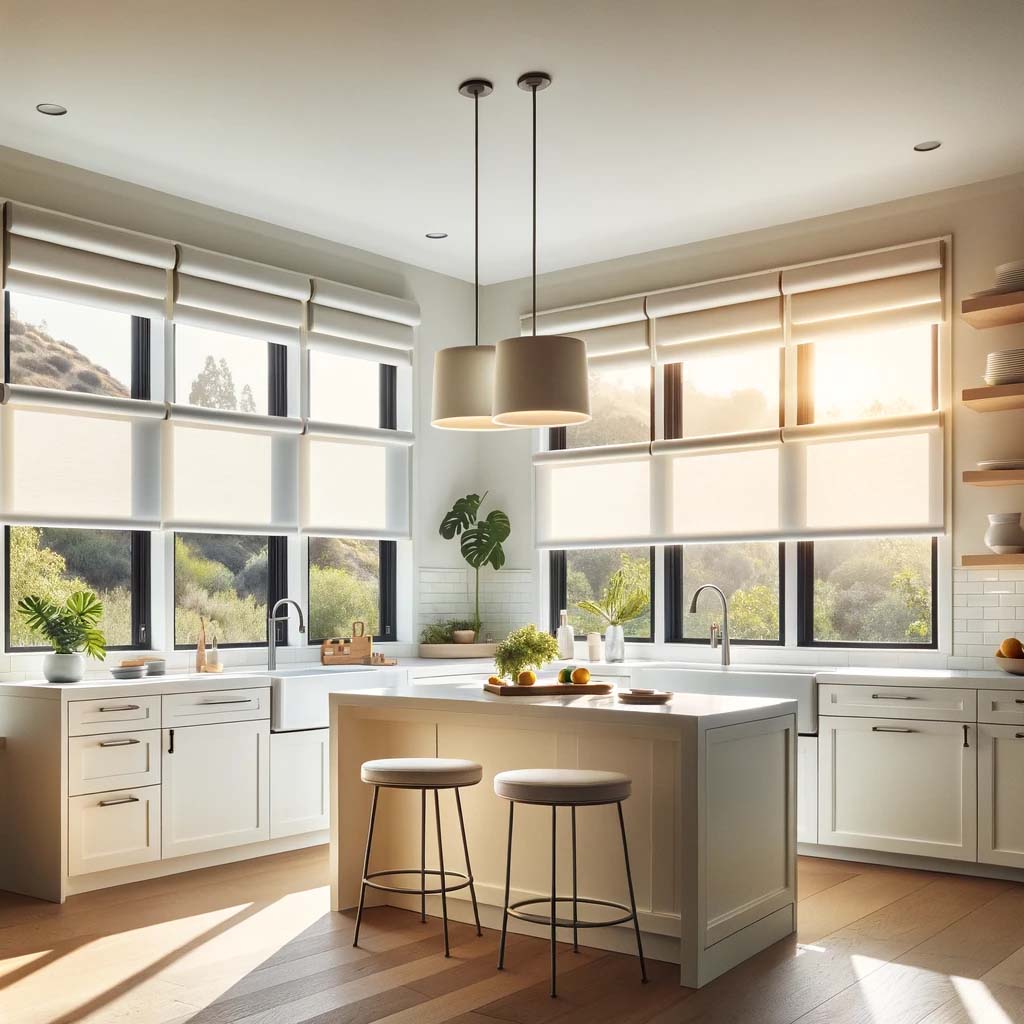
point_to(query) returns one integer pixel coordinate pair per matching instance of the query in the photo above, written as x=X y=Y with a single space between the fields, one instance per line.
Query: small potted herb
x=71 y=629
x=524 y=648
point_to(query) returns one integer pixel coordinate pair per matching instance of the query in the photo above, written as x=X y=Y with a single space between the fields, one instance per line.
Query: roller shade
x=79 y=460
x=886 y=291
x=355 y=481
x=224 y=293
x=229 y=472
x=739 y=313
x=74 y=260
x=355 y=322
x=615 y=333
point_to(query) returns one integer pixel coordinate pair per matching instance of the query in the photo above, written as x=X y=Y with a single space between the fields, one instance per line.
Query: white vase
x=1004 y=535
x=614 y=644
x=64 y=668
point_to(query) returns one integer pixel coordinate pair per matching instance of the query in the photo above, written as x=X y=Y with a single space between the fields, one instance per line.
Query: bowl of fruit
x=1010 y=656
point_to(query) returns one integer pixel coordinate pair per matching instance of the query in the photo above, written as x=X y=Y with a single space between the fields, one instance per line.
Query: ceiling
x=668 y=121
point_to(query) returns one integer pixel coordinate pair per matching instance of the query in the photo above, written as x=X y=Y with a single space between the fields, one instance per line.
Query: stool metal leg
x=632 y=897
x=469 y=869
x=423 y=856
x=575 y=908
x=554 y=847
x=440 y=857
x=366 y=864
x=508 y=887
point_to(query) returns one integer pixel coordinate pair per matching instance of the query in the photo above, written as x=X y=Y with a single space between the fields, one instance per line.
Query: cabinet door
x=1001 y=795
x=899 y=786
x=216 y=786
x=299 y=787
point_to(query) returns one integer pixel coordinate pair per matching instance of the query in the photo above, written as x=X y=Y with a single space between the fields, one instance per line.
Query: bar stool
x=422 y=773
x=554 y=788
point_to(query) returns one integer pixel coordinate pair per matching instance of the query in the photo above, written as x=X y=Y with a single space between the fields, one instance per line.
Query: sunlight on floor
x=980 y=1006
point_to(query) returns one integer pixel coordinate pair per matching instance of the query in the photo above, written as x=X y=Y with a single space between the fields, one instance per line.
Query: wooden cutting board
x=546 y=690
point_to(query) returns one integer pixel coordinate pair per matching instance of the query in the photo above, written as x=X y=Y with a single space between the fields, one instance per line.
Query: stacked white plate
x=1010 y=277
x=1005 y=367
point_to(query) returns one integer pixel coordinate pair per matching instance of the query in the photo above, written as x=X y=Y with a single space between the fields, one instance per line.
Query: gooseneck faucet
x=716 y=632
x=272 y=620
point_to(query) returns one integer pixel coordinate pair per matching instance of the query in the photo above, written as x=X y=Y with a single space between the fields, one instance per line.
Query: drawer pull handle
x=122 y=707
x=119 y=743
x=889 y=728
x=119 y=800
x=891 y=696
x=239 y=700
x=1018 y=736
x=1019 y=700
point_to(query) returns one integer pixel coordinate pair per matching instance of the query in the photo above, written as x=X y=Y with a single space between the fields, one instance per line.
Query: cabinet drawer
x=113 y=761
x=113 y=830
x=1001 y=707
x=923 y=703
x=209 y=707
x=113 y=714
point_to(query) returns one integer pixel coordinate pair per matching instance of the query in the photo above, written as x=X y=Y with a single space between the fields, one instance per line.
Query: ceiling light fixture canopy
x=464 y=374
x=540 y=380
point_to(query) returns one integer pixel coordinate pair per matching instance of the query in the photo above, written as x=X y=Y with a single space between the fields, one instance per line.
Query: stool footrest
x=515 y=910
x=466 y=881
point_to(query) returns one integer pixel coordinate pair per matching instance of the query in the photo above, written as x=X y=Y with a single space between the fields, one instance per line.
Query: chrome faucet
x=272 y=620
x=718 y=633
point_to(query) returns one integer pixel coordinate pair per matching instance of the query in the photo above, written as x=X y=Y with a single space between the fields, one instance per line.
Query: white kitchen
x=460 y=569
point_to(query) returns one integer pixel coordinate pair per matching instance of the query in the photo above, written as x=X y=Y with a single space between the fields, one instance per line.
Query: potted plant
x=524 y=648
x=621 y=601
x=444 y=632
x=70 y=629
x=480 y=543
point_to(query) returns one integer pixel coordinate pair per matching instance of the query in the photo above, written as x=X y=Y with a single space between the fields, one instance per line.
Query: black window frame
x=387 y=550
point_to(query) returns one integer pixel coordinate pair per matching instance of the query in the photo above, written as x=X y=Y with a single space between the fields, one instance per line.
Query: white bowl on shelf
x=1015 y=666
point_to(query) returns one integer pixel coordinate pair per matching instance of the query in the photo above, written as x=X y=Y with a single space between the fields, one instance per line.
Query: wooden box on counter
x=356 y=649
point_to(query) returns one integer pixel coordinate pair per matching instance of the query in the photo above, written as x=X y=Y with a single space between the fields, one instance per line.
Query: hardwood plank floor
x=255 y=943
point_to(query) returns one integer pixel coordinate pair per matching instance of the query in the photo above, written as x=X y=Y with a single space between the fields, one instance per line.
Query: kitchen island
x=711 y=819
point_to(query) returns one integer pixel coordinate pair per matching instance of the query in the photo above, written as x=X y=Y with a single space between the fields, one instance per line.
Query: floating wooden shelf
x=994 y=477
x=996 y=398
x=992 y=561
x=994 y=310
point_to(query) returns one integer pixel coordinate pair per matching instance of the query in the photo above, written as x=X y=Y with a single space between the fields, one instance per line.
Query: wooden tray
x=552 y=690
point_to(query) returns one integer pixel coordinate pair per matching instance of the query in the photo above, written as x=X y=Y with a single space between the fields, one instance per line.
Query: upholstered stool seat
x=562 y=786
x=421 y=772
x=427 y=774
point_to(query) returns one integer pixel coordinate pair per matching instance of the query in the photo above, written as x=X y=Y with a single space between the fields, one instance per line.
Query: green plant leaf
x=481 y=544
x=461 y=516
x=524 y=648
x=620 y=602
x=70 y=627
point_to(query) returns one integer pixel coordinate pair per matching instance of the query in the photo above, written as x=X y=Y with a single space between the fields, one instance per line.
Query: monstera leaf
x=481 y=543
x=461 y=516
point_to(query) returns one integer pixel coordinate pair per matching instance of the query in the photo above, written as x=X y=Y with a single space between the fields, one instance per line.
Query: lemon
x=494 y=681
x=565 y=675
x=527 y=678
x=581 y=676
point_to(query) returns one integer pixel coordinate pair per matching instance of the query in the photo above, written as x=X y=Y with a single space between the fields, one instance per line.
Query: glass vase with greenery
x=524 y=648
x=622 y=601
x=71 y=628
x=480 y=539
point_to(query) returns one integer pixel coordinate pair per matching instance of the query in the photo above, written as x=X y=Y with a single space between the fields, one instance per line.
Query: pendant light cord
x=476 y=215
x=533 y=91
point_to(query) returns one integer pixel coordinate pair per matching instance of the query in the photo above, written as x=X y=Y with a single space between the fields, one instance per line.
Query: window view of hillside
x=344 y=586
x=620 y=403
x=726 y=393
x=215 y=370
x=56 y=563
x=587 y=572
x=223 y=579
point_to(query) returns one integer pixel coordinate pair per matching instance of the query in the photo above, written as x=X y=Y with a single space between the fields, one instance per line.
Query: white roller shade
x=74 y=260
x=355 y=481
x=355 y=322
x=79 y=460
x=224 y=293
x=229 y=472
x=615 y=333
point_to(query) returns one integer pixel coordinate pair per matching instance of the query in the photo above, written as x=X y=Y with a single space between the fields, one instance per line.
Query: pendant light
x=464 y=374
x=540 y=380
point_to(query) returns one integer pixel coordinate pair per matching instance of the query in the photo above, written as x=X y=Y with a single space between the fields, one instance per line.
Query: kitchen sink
x=298 y=696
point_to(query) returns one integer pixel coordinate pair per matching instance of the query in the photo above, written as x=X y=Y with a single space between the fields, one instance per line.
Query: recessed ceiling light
x=437 y=234
x=927 y=147
x=53 y=109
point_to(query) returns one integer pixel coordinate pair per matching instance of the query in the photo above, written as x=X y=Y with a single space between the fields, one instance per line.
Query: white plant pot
x=1004 y=535
x=614 y=644
x=64 y=668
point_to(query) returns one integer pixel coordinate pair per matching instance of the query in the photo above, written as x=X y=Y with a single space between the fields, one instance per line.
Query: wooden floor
x=256 y=943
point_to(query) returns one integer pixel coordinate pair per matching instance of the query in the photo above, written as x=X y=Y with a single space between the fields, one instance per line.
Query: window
x=873 y=592
x=351 y=580
x=750 y=574
x=344 y=389
x=229 y=581
x=581 y=574
x=55 y=563
x=70 y=347
x=620 y=403
x=722 y=394
x=216 y=370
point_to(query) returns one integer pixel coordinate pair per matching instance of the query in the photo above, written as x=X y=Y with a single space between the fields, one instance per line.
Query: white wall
x=986 y=221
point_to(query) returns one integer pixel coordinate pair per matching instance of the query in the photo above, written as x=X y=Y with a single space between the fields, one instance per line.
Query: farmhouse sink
x=298 y=696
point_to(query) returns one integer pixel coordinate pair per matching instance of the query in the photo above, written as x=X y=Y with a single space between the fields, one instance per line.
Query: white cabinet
x=113 y=761
x=1001 y=795
x=216 y=786
x=299 y=786
x=898 y=785
x=807 y=789
x=113 y=830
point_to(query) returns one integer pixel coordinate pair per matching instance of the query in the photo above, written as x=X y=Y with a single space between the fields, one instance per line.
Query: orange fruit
x=1011 y=647
x=527 y=678
x=494 y=681
x=581 y=676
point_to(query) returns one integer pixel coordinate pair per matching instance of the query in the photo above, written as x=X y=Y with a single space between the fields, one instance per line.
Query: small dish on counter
x=637 y=696
x=1014 y=666
x=128 y=672
x=155 y=666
